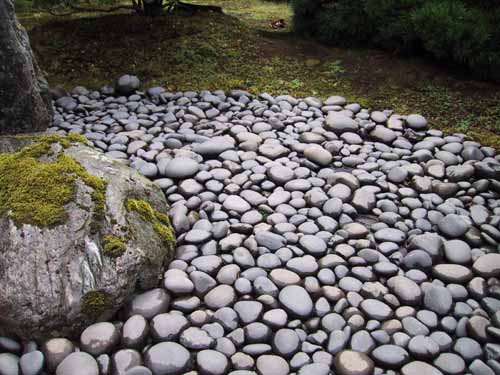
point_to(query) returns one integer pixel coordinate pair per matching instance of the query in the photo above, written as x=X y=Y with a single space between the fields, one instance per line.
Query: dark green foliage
x=451 y=30
x=465 y=32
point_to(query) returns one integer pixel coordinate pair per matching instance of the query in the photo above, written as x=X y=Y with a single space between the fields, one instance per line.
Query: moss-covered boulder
x=79 y=233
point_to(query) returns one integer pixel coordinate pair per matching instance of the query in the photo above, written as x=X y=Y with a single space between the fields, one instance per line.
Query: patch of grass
x=334 y=68
x=239 y=50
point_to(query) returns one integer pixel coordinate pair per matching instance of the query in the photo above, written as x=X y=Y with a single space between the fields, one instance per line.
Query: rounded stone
x=32 y=363
x=458 y=252
x=453 y=226
x=272 y=364
x=376 y=310
x=487 y=265
x=416 y=122
x=220 y=296
x=419 y=368
x=296 y=301
x=391 y=356
x=99 y=338
x=79 y=363
x=55 y=350
x=348 y=362
x=211 y=362
x=450 y=364
x=438 y=299
x=318 y=155
x=167 y=358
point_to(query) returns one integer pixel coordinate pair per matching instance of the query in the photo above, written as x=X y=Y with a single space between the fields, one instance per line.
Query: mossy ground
x=35 y=187
x=239 y=49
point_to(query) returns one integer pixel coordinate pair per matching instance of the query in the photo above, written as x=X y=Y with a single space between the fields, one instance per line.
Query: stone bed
x=314 y=237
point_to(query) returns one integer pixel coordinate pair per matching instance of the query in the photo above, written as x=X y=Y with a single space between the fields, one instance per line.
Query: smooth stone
x=375 y=309
x=313 y=245
x=452 y=273
x=438 y=299
x=272 y=364
x=181 y=167
x=99 y=338
x=391 y=356
x=340 y=124
x=468 y=349
x=235 y=203
x=167 y=358
x=32 y=363
x=318 y=155
x=150 y=303
x=416 y=122
x=296 y=301
x=453 y=226
x=220 y=296
x=55 y=350
x=458 y=252
x=79 y=363
x=450 y=364
x=419 y=368
x=9 y=364
x=211 y=362
x=487 y=265
x=405 y=289
x=348 y=362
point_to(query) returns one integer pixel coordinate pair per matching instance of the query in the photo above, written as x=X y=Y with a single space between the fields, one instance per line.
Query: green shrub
x=451 y=30
x=305 y=14
x=461 y=31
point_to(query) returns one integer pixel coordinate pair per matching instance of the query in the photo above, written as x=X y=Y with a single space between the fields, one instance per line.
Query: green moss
x=95 y=303
x=143 y=208
x=77 y=138
x=114 y=246
x=35 y=191
x=160 y=221
x=167 y=235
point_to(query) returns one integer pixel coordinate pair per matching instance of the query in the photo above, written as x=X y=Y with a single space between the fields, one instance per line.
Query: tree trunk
x=25 y=104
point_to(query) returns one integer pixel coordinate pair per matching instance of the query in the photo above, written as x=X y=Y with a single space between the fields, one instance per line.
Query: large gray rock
x=62 y=272
x=24 y=97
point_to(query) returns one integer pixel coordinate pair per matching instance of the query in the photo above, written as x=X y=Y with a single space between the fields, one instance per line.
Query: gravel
x=314 y=237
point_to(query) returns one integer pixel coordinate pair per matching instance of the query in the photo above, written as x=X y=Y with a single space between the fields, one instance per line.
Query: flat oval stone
x=313 y=245
x=391 y=356
x=375 y=309
x=438 y=299
x=450 y=364
x=167 y=358
x=348 y=362
x=453 y=226
x=405 y=289
x=99 y=338
x=181 y=167
x=419 y=368
x=452 y=273
x=487 y=265
x=296 y=301
x=79 y=363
